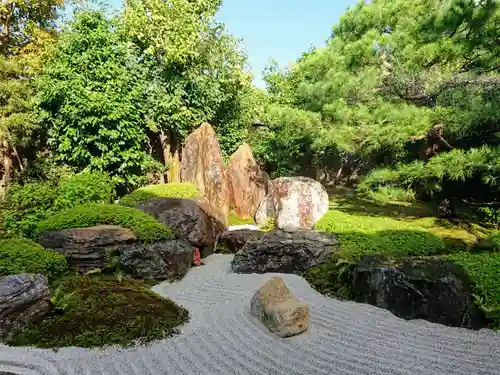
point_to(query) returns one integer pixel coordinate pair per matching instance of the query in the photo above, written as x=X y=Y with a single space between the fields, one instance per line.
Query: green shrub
x=145 y=227
x=25 y=205
x=392 y=194
x=483 y=271
x=101 y=312
x=21 y=255
x=177 y=190
x=85 y=187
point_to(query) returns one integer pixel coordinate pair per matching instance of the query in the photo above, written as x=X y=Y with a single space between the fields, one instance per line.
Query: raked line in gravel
x=223 y=338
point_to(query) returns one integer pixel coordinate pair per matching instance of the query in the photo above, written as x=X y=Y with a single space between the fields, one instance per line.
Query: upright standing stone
x=247 y=182
x=202 y=164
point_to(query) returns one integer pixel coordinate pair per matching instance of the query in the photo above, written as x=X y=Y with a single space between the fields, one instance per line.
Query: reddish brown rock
x=202 y=165
x=247 y=182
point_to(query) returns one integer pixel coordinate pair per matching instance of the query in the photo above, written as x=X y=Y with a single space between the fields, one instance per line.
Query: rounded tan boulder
x=276 y=307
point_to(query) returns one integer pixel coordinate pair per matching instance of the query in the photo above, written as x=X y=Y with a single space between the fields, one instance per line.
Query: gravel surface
x=222 y=338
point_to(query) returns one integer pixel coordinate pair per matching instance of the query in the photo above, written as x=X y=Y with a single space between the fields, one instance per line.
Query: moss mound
x=21 y=255
x=177 y=190
x=483 y=271
x=101 y=312
x=145 y=227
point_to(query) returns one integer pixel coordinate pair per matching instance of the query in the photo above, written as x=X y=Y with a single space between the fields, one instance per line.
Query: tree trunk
x=7 y=165
x=170 y=153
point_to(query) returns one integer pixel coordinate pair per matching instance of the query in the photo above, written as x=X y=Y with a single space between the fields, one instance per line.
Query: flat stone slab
x=344 y=338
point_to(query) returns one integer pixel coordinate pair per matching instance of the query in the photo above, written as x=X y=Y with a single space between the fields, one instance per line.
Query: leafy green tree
x=92 y=94
x=408 y=83
x=27 y=30
x=197 y=72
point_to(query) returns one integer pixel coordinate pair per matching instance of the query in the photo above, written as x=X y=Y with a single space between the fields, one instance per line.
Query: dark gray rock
x=24 y=298
x=190 y=222
x=161 y=260
x=85 y=248
x=285 y=252
x=418 y=288
x=233 y=240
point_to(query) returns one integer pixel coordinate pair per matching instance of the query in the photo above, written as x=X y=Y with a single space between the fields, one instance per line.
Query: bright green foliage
x=25 y=205
x=85 y=187
x=104 y=312
x=20 y=255
x=144 y=227
x=482 y=270
x=392 y=74
x=360 y=235
x=177 y=190
x=92 y=92
x=196 y=71
x=234 y=219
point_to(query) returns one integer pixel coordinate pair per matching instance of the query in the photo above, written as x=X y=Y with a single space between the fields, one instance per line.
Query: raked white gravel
x=222 y=338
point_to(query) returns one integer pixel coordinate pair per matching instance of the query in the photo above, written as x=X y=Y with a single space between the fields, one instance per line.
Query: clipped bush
x=144 y=227
x=177 y=190
x=85 y=187
x=482 y=269
x=104 y=312
x=21 y=255
x=25 y=205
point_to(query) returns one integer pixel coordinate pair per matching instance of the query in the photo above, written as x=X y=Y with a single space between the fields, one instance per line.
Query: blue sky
x=282 y=29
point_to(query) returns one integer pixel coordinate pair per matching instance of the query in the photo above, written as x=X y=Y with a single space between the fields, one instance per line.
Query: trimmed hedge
x=21 y=255
x=177 y=190
x=483 y=271
x=144 y=227
x=97 y=312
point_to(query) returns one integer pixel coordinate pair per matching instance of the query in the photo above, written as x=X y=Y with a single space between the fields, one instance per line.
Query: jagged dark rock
x=234 y=240
x=418 y=288
x=157 y=261
x=24 y=298
x=285 y=252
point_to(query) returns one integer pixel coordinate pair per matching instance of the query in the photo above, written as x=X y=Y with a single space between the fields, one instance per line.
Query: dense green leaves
x=21 y=255
x=92 y=92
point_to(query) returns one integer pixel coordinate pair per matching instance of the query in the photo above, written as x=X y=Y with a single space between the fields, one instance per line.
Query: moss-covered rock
x=145 y=228
x=21 y=255
x=93 y=312
x=174 y=190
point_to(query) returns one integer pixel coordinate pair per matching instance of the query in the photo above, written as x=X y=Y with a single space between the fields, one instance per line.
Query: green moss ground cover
x=367 y=226
x=96 y=312
x=144 y=226
x=234 y=219
x=177 y=190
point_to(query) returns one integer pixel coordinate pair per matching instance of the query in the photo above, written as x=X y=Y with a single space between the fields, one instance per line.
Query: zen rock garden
x=183 y=239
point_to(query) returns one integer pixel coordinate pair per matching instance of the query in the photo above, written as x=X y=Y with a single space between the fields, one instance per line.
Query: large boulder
x=295 y=203
x=275 y=306
x=202 y=164
x=189 y=221
x=247 y=182
x=418 y=288
x=284 y=252
x=85 y=248
x=234 y=240
x=24 y=298
x=157 y=261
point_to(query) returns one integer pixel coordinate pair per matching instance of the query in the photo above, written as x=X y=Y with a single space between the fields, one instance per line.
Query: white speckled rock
x=295 y=203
